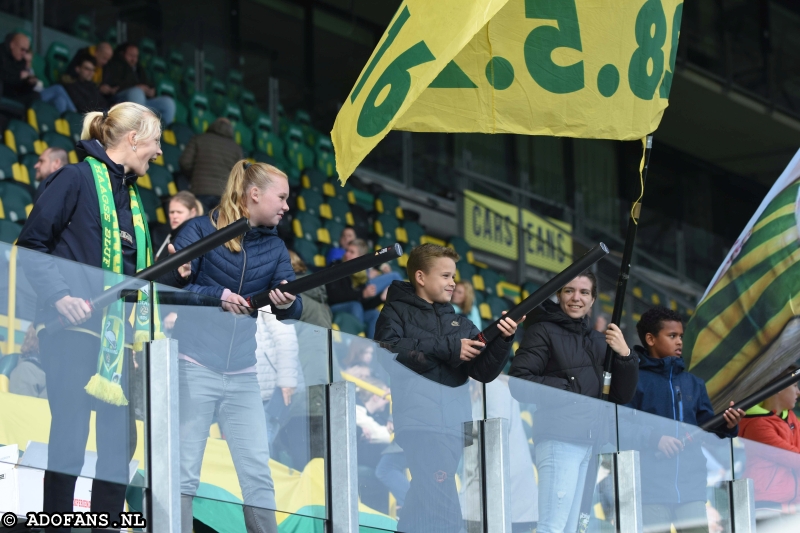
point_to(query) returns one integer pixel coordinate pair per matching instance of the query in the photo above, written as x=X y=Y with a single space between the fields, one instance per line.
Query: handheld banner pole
x=756 y=398
x=330 y=274
x=152 y=273
x=625 y=269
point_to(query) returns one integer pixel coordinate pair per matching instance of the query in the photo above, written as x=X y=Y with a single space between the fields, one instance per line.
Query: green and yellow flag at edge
x=574 y=68
x=746 y=330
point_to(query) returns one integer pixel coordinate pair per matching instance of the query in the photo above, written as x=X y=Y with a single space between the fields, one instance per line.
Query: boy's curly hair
x=652 y=321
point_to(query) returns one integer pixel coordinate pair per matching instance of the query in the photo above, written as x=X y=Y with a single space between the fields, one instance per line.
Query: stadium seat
x=7 y=161
x=57 y=59
x=362 y=198
x=339 y=191
x=199 y=114
x=82 y=28
x=188 y=82
x=298 y=153
x=42 y=116
x=362 y=221
x=61 y=141
x=250 y=111
x=217 y=97
x=427 y=239
x=340 y=211
x=509 y=291
x=497 y=306
x=183 y=134
x=75 y=122
x=152 y=206
x=161 y=181
x=385 y=241
x=325 y=159
x=386 y=224
x=308 y=227
x=334 y=229
x=235 y=84
x=462 y=248
x=465 y=271
x=347 y=323
x=147 y=51
x=529 y=288
x=111 y=36
x=490 y=280
x=9 y=231
x=414 y=233
x=23 y=139
x=310 y=202
x=171 y=156
x=309 y=253
x=15 y=201
x=242 y=134
x=387 y=202
x=158 y=71
x=28 y=163
x=313 y=179
x=175 y=65
x=210 y=72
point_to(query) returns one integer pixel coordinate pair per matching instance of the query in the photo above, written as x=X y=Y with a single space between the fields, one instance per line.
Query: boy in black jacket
x=431 y=403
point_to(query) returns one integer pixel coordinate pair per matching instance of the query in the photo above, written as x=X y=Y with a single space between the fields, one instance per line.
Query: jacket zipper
x=235 y=321
x=675 y=417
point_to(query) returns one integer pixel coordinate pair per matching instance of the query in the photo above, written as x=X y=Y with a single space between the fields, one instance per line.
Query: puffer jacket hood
x=666 y=389
x=429 y=379
x=221 y=127
x=217 y=339
x=567 y=354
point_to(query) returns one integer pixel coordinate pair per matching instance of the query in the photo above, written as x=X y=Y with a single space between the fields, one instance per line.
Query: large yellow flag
x=576 y=68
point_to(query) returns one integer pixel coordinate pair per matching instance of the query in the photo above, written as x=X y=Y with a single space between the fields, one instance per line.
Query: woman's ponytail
x=110 y=127
x=93 y=128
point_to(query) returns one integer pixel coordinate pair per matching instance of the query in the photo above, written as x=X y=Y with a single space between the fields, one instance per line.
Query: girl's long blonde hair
x=233 y=204
x=469 y=296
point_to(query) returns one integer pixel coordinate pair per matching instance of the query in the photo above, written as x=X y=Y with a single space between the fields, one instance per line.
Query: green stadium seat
x=310 y=202
x=147 y=51
x=309 y=253
x=386 y=225
x=510 y=291
x=57 y=59
x=217 y=97
x=9 y=231
x=387 y=202
x=363 y=199
x=82 y=28
x=334 y=229
x=15 y=201
x=298 y=153
x=347 y=323
x=339 y=191
x=314 y=180
x=7 y=161
x=183 y=134
x=465 y=271
x=498 y=305
x=158 y=70
x=175 y=65
x=242 y=134
x=462 y=248
x=302 y=117
x=414 y=233
x=250 y=111
x=528 y=288
x=188 y=81
x=200 y=115
x=490 y=280
x=57 y=140
x=42 y=116
x=307 y=226
x=235 y=84
x=152 y=207
x=75 y=122
x=111 y=36
x=171 y=157
x=210 y=72
x=23 y=139
x=28 y=175
x=385 y=241
x=161 y=181
x=266 y=140
x=324 y=156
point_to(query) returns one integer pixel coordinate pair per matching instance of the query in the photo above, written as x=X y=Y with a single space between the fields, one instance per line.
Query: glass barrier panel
x=418 y=441
x=252 y=405
x=776 y=479
x=61 y=444
x=212 y=515
x=554 y=441
x=684 y=471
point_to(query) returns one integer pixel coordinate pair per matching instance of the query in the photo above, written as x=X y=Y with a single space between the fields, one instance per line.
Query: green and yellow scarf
x=105 y=385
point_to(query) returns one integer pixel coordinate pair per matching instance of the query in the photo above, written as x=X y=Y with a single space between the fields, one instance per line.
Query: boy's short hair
x=361 y=244
x=652 y=322
x=423 y=256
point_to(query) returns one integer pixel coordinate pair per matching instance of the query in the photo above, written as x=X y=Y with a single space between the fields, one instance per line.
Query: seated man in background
x=79 y=84
x=20 y=82
x=335 y=253
x=51 y=160
x=102 y=53
x=126 y=74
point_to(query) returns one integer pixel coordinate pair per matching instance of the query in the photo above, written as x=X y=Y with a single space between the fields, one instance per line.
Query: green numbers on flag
x=543 y=40
x=391 y=35
x=392 y=86
x=666 y=85
x=647 y=63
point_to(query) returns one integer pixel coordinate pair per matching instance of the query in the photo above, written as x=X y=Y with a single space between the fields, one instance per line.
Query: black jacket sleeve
x=532 y=357
x=418 y=354
x=624 y=377
x=488 y=365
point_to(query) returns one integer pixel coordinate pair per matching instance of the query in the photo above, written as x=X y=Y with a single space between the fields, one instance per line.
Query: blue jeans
x=368 y=317
x=562 y=473
x=391 y=471
x=163 y=105
x=384 y=280
x=237 y=399
x=58 y=97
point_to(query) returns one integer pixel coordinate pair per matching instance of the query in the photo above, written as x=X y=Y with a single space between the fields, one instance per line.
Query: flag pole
x=625 y=268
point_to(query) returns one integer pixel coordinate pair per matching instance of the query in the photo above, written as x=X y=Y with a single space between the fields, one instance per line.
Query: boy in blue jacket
x=672 y=461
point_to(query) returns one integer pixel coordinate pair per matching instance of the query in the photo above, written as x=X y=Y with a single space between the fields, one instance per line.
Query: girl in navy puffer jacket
x=218 y=349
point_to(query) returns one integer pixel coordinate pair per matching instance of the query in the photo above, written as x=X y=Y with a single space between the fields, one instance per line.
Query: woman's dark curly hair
x=652 y=321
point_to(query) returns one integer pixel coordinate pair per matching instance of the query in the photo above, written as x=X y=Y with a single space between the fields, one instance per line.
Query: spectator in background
x=80 y=86
x=464 y=302
x=20 y=82
x=28 y=377
x=182 y=208
x=336 y=253
x=51 y=160
x=132 y=84
x=360 y=360
x=102 y=53
x=315 y=301
x=207 y=161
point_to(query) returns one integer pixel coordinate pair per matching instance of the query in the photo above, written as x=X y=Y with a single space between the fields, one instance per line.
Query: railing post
x=342 y=459
x=743 y=505
x=627 y=489
x=496 y=475
x=163 y=457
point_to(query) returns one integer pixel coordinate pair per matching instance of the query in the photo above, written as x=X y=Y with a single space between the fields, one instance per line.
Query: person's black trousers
x=70 y=360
